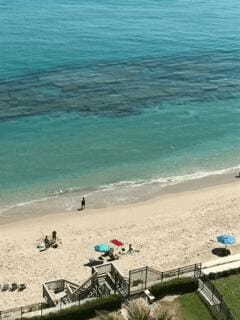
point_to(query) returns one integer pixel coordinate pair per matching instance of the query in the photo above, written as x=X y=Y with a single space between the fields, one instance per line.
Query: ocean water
x=114 y=100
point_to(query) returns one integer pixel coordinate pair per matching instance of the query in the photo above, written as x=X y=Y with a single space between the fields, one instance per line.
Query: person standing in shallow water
x=83 y=203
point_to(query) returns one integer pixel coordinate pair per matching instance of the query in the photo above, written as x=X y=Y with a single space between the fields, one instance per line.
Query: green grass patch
x=192 y=307
x=230 y=289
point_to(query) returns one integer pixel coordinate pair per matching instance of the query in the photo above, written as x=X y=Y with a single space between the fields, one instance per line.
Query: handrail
x=119 y=279
x=154 y=270
x=48 y=296
x=187 y=268
x=86 y=286
x=89 y=280
x=221 y=307
x=93 y=283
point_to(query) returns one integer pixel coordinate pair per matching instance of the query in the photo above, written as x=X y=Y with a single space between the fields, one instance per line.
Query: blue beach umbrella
x=226 y=239
x=102 y=247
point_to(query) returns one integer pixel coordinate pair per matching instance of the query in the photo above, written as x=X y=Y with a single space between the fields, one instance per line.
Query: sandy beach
x=173 y=230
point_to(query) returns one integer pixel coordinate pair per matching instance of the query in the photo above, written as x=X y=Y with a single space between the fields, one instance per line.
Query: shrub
x=214 y=276
x=138 y=310
x=175 y=286
x=109 y=316
x=205 y=277
x=86 y=310
x=137 y=282
x=221 y=274
x=225 y=274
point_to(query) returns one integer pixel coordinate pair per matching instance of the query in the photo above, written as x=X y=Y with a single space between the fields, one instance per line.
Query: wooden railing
x=147 y=277
x=83 y=291
x=214 y=300
x=121 y=284
x=143 y=278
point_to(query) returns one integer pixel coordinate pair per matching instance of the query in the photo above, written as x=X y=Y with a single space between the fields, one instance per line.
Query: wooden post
x=146 y=272
x=200 y=270
x=129 y=284
x=97 y=285
x=115 y=282
x=228 y=316
x=195 y=270
x=221 y=303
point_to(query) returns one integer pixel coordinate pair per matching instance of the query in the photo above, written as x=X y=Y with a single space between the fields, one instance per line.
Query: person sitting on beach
x=105 y=254
x=112 y=255
x=131 y=249
x=54 y=236
x=122 y=251
x=47 y=242
x=111 y=252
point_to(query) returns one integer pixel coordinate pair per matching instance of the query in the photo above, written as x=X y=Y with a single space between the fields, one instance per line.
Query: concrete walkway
x=221 y=264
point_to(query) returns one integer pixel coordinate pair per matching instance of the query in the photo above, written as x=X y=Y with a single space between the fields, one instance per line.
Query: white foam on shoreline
x=167 y=181
x=22 y=204
x=138 y=183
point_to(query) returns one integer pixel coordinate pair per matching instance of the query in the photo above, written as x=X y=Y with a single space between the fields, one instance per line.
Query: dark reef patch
x=122 y=88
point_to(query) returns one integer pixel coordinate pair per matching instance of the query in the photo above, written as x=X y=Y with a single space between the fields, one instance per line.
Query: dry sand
x=170 y=231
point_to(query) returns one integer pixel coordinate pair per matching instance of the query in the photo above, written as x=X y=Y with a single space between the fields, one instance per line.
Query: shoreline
x=172 y=230
x=24 y=211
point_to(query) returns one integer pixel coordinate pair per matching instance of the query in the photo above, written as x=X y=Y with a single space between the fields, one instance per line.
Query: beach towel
x=117 y=242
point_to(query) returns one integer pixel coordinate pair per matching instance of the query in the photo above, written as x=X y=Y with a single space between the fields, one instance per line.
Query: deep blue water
x=113 y=95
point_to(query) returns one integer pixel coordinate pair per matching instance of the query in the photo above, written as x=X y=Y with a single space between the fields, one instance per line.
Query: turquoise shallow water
x=37 y=35
x=114 y=100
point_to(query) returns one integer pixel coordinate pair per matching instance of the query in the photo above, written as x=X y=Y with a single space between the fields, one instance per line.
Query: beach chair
x=149 y=297
x=113 y=257
x=93 y=262
x=13 y=287
x=21 y=287
x=4 y=287
x=103 y=259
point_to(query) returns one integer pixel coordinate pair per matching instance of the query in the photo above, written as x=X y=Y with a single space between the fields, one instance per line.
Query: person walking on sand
x=83 y=203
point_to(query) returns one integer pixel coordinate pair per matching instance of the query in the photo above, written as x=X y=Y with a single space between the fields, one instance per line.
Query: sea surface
x=114 y=100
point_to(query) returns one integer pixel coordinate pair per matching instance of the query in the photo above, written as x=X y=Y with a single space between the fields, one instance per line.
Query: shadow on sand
x=221 y=252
